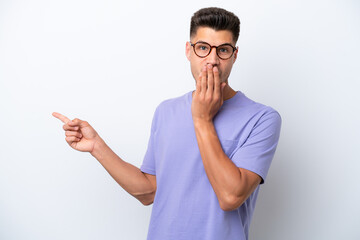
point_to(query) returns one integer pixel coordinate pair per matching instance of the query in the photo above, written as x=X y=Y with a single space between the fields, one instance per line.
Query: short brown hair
x=217 y=19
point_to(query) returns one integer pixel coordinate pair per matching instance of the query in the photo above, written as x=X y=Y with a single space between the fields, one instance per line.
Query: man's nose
x=213 y=58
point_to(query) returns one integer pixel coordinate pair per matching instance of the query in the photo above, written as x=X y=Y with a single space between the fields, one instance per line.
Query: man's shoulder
x=175 y=101
x=247 y=107
x=244 y=102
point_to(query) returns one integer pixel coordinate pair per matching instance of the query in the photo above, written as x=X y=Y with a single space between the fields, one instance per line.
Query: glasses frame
x=211 y=47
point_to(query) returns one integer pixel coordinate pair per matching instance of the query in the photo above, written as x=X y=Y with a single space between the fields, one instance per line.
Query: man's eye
x=203 y=48
x=223 y=50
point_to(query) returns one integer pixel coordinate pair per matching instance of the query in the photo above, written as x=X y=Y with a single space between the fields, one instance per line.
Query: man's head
x=213 y=35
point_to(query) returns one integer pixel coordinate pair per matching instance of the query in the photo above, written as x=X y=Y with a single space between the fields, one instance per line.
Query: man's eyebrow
x=200 y=41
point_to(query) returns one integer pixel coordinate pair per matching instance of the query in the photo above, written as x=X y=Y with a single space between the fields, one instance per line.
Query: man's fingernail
x=209 y=66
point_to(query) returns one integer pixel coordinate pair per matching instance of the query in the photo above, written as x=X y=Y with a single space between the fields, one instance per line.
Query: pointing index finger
x=61 y=117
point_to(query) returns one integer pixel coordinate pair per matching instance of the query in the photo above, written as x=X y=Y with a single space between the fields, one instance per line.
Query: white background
x=112 y=62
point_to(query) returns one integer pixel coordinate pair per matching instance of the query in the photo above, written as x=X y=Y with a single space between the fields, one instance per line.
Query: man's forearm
x=125 y=174
x=223 y=174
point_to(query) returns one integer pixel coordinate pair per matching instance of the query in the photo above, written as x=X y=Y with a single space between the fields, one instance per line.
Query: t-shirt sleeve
x=257 y=152
x=148 y=165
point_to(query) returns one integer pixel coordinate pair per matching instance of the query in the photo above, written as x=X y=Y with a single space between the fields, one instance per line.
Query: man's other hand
x=79 y=134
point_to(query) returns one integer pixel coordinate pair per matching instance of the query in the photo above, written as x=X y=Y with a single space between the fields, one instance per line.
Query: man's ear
x=187 y=50
x=235 y=54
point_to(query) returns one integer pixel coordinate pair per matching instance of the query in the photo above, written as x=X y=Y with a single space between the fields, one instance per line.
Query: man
x=209 y=150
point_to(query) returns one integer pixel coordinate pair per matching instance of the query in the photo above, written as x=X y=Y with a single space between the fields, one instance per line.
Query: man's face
x=214 y=38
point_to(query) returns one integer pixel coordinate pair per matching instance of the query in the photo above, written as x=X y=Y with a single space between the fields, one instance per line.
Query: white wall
x=73 y=56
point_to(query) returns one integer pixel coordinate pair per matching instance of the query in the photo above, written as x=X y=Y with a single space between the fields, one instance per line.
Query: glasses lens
x=202 y=49
x=225 y=51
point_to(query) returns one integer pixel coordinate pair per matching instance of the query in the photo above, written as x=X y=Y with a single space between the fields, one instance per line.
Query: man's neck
x=228 y=92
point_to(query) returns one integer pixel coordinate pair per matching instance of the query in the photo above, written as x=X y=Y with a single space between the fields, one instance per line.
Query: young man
x=209 y=150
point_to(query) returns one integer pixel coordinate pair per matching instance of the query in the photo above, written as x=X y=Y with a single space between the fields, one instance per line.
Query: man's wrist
x=99 y=148
x=202 y=123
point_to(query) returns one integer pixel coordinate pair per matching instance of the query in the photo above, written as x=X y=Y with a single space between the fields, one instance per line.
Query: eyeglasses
x=203 y=49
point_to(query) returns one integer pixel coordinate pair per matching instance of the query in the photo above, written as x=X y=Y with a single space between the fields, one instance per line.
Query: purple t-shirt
x=185 y=205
